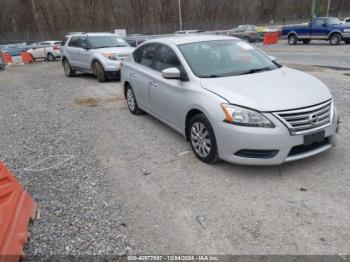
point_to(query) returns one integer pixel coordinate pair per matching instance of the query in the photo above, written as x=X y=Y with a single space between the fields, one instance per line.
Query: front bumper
x=111 y=65
x=232 y=139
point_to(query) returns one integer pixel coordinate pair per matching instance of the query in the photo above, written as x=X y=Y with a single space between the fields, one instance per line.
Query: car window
x=319 y=22
x=145 y=54
x=74 y=41
x=166 y=58
x=105 y=41
x=83 y=42
x=65 y=41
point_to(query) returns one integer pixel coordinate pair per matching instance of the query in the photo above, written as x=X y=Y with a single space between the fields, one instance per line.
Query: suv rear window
x=74 y=41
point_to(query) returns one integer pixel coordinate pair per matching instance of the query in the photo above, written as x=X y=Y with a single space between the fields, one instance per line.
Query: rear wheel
x=202 y=138
x=306 y=41
x=131 y=100
x=292 y=39
x=50 y=57
x=68 y=69
x=99 y=72
x=335 y=39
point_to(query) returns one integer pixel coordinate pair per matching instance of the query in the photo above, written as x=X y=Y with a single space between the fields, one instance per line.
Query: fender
x=335 y=31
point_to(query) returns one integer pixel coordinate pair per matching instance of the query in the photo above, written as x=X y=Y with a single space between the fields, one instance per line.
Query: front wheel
x=202 y=138
x=335 y=39
x=100 y=72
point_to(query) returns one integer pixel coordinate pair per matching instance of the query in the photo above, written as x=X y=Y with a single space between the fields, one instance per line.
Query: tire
x=50 y=57
x=347 y=42
x=2 y=67
x=100 y=72
x=335 y=39
x=306 y=41
x=292 y=39
x=67 y=68
x=202 y=139
x=131 y=101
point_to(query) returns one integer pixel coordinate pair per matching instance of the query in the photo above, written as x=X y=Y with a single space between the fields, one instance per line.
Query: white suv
x=100 y=54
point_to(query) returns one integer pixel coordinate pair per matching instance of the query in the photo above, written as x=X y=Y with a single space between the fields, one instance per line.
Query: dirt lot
x=100 y=200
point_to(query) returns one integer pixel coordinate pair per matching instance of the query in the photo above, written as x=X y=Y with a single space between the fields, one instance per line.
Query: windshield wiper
x=256 y=70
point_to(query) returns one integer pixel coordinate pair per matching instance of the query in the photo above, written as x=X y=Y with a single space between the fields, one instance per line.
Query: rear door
x=71 y=51
x=140 y=73
x=84 y=56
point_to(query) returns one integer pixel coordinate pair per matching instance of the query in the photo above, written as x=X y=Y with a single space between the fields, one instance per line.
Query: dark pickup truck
x=321 y=28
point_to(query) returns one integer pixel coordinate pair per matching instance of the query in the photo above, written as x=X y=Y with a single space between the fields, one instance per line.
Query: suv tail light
x=55 y=47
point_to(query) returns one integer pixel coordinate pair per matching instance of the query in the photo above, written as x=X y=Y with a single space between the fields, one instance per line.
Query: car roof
x=93 y=34
x=186 y=39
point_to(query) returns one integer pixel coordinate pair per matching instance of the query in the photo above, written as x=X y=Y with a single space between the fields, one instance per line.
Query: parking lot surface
x=115 y=183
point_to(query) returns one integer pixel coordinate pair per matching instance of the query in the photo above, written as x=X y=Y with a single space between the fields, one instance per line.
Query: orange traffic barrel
x=17 y=208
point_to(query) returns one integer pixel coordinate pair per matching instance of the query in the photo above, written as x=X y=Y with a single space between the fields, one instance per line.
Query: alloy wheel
x=131 y=100
x=200 y=139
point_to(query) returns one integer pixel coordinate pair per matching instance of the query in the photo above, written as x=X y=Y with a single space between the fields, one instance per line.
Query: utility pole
x=180 y=14
x=313 y=8
x=328 y=7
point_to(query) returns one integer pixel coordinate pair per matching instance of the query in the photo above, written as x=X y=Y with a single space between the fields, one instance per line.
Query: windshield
x=106 y=41
x=333 y=21
x=225 y=58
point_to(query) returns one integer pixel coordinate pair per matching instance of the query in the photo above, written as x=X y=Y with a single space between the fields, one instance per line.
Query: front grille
x=301 y=121
x=248 y=153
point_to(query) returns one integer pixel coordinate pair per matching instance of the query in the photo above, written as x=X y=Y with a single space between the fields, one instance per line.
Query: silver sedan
x=230 y=100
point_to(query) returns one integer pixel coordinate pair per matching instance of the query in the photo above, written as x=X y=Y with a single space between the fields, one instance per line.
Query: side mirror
x=171 y=73
x=324 y=25
x=272 y=58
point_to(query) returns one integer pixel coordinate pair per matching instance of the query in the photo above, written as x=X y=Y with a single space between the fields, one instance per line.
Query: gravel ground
x=133 y=186
x=39 y=120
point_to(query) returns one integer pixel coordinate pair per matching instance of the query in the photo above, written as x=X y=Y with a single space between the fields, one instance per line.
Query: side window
x=83 y=42
x=144 y=55
x=65 y=40
x=74 y=42
x=320 y=22
x=166 y=58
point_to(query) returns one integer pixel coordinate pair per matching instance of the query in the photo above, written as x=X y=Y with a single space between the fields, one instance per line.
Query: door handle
x=153 y=84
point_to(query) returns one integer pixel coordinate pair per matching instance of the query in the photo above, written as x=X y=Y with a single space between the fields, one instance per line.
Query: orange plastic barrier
x=271 y=38
x=7 y=58
x=27 y=58
x=17 y=208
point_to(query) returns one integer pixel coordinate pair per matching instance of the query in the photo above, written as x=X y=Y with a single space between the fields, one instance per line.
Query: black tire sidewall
x=137 y=110
x=294 y=38
x=50 y=57
x=338 y=38
x=100 y=73
x=213 y=155
x=71 y=72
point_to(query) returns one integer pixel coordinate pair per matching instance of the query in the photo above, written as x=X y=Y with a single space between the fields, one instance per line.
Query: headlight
x=110 y=56
x=245 y=117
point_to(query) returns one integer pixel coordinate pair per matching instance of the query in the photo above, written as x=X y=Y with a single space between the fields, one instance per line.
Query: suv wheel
x=99 y=72
x=68 y=69
x=131 y=100
x=292 y=40
x=50 y=57
x=202 y=139
x=335 y=39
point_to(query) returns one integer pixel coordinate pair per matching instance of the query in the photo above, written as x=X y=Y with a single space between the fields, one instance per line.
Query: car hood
x=275 y=90
x=116 y=50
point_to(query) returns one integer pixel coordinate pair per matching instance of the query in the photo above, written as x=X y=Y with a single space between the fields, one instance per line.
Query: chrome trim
x=307 y=120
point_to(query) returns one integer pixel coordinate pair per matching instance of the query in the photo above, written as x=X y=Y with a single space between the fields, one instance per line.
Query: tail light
x=55 y=47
